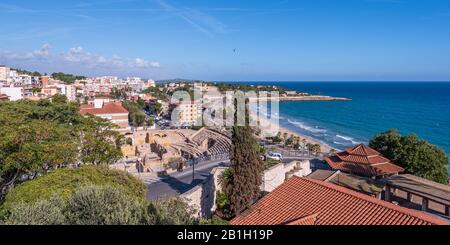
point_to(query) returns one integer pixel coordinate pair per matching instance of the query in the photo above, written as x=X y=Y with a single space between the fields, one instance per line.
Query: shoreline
x=300 y=98
x=271 y=127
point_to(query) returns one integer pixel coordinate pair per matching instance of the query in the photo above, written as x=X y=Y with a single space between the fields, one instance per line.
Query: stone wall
x=276 y=175
x=203 y=197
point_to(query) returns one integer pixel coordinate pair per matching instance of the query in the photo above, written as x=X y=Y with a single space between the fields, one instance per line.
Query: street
x=179 y=183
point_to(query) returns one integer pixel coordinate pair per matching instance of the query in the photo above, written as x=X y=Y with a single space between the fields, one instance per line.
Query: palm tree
x=285 y=135
x=332 y=152
x=316 y=149
x=303 y=145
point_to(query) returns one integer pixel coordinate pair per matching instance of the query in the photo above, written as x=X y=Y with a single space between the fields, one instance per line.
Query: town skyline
x=359 y=40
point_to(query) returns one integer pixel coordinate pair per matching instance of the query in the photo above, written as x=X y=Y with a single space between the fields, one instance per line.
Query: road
x=179 y=183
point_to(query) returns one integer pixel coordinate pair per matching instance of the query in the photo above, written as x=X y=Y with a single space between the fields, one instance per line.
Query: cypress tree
x=245 y=172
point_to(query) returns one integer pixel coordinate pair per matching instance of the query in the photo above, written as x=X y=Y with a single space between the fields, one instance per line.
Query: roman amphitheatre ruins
x=159 y=150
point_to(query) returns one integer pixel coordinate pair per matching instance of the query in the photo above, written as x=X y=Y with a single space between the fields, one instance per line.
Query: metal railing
x=216 y=157
x=296 y=153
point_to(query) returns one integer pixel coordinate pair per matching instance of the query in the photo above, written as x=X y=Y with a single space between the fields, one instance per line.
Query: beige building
x=4 y=73
x=113 y=111
x=151 y=83
x=186 y=113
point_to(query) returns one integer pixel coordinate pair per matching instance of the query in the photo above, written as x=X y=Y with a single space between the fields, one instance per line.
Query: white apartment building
x=68 y=90
x=14 y=93
x=4 y=73
x=134 y=80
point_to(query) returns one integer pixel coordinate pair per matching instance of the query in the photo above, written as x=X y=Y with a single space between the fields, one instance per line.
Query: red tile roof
x=108 y=108
x=308 y=220
x=4 y=97
x=363 y=160
x=305 y=202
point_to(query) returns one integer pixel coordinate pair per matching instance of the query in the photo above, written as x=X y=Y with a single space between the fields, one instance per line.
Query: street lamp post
x=194 y=161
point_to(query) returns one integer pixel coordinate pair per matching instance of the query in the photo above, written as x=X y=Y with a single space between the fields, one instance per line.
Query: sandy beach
x=271 y=127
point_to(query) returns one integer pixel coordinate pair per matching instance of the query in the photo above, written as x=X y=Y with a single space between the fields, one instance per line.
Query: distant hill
x=179 y=80
x=25 y=72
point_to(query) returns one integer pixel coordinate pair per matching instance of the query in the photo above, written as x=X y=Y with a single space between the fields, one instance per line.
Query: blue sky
x=282 y=40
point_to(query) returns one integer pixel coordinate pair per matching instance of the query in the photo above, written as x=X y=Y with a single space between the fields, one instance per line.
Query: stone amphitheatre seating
x=218 y=143
x=187 y=143
x=189 y=148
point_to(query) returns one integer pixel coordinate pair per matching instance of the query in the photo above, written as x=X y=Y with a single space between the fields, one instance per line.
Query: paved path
x=181 y=182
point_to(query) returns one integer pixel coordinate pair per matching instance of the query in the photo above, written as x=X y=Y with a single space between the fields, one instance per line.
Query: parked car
x=274 y=156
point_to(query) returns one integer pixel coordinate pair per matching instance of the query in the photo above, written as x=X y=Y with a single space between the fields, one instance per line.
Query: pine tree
x=246 y=169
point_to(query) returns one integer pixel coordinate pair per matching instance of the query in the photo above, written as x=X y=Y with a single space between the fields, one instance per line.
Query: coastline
x=268 y=126
x=299 y=98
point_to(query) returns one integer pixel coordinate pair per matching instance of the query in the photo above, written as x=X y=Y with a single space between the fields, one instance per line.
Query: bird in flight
x=234 y=50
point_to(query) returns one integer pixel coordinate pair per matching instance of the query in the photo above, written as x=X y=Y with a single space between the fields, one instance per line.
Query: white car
x=275 y=156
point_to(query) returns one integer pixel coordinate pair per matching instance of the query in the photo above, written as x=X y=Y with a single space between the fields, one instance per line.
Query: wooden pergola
x=428 y=191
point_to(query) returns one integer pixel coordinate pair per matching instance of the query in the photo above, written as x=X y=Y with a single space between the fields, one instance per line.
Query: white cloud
x=42 y=53
x=141 y=63
x=197 y=19
x=80 y=56
x=77 y=58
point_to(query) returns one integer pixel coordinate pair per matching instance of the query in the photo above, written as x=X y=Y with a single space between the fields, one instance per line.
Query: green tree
x=149 y=122
x=119 y=94
x=333 y=152
x=33 y=148
x=158 y=108
x=316 y=148
x=137 y=117
x=100 y=143
x=288 y=141
x=245 y=178
x=416 y=156
x=59 y=98
x=158 y=92
x=66 y=78
x=277 y=138
x=36 y=90
x=285 y=136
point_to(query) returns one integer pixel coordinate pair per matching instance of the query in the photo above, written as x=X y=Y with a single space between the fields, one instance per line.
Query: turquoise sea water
x=411 y=107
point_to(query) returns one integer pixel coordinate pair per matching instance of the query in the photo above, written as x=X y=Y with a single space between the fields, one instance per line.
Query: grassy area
x=270 y=163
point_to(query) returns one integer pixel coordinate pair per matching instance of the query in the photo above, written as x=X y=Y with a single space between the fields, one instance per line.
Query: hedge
x=63 y=182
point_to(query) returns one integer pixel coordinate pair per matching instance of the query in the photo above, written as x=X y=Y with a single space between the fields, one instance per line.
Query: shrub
x=94 y=205
x=215 y=220
x=43 y=212
x=172 y=212
x=63 y=182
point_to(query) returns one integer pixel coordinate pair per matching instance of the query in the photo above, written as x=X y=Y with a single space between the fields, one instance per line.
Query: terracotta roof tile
x=307 y=201
x=363 y=160
x=308 y=220
x=108 y=108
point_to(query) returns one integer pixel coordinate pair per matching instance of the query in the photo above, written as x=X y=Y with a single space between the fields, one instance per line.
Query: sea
x=422 y=108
